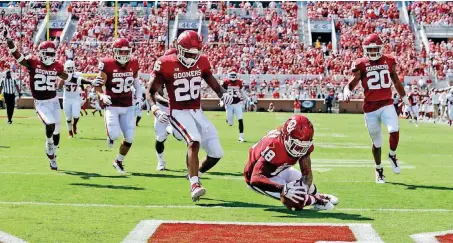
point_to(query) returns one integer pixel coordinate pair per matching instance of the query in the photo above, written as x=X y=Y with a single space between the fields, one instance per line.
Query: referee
x=9 y=86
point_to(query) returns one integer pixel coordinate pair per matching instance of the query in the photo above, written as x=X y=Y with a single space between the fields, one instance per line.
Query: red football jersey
x=183 y=84
x=119 y=80
x=234 y=88
x=376 y=81
x=43 y=78
x=268 y=158
x=414 y=99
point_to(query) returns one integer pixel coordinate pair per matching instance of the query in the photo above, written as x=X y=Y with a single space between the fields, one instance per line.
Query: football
x=290 y=204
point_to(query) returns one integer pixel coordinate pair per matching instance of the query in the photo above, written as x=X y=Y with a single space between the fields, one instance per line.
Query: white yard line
x=400 y=210
x=7 y=238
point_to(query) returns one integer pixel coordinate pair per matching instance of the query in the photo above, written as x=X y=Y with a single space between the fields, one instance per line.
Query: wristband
x=12 y=50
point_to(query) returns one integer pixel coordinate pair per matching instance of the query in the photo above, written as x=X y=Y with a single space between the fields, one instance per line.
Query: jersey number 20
x=378 y=79
x=187 y=89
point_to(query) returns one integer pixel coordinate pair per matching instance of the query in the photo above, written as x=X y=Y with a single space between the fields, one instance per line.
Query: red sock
x=394 y=139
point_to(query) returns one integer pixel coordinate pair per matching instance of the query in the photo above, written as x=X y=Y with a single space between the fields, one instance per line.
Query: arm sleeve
x=206 y=66
x=262 y=181
x=355 y=65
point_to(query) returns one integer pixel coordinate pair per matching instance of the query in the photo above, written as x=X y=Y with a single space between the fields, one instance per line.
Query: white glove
x=406 y=100
x=106 y=99
x=294 y=192
x=347 y=93
x=227 y=98
x=161 y=116
x=98 y=81
x=221 y=103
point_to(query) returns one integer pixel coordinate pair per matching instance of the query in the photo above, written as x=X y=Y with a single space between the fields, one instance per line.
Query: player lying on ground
x=44 y=72
x=182 y=73
x=377 y=71
x=234 y=86
x=119 y=74
x=270 y=171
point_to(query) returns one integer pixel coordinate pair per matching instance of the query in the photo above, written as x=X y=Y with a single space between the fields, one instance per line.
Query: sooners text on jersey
x=183 y=84
x=43 y=78
x=234 y=89
x=376 y=81
x=271 y=152
x=119 y=80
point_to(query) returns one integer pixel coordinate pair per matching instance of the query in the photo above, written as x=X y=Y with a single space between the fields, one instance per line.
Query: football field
x=87 y=201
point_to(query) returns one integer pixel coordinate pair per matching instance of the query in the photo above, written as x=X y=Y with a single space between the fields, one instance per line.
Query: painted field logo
x=434 y=237
x=223 y=232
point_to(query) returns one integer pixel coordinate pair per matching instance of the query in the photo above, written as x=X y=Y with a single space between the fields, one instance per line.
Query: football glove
x=98 y=81
x=227 y=98
x=347 y=93
x=406 y=100
x=106 y=99
x=221 y=103
x=161 y=116
x=294 y=192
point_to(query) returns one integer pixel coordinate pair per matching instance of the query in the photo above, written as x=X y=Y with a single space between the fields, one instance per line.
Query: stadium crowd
x=258 y=38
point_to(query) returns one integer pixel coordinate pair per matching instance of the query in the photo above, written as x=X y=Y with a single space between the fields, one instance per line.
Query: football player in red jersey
x=182 y=74
x=44 y=72
x=414 y=102
x=270 y=170
x=119 y=74
x=163 y=128
x=235 y=88
x=377 y=71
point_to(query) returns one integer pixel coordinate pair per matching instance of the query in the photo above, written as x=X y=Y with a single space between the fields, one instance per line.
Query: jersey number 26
x=186 y=90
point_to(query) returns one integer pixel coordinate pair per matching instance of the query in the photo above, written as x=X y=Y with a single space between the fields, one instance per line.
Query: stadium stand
x=259 y=39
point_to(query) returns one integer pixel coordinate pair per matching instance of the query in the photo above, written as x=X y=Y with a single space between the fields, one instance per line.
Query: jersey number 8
x=378 y=79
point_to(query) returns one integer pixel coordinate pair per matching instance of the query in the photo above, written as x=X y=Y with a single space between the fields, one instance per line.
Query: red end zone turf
x=448 y=238
x=186 y=232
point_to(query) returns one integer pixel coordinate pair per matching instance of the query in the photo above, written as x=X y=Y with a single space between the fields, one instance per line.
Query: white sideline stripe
x=364 y=233
x=7 y=238
x=403 y=210
x=429 y=237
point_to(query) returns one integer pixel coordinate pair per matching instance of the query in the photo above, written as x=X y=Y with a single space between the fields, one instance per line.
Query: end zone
x=434 y=237
x=206 y=231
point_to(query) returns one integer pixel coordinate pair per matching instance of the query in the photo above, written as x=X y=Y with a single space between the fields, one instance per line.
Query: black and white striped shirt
x=8 y=85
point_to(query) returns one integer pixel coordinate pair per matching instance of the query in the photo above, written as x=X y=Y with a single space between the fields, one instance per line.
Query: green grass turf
x=86 y=176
